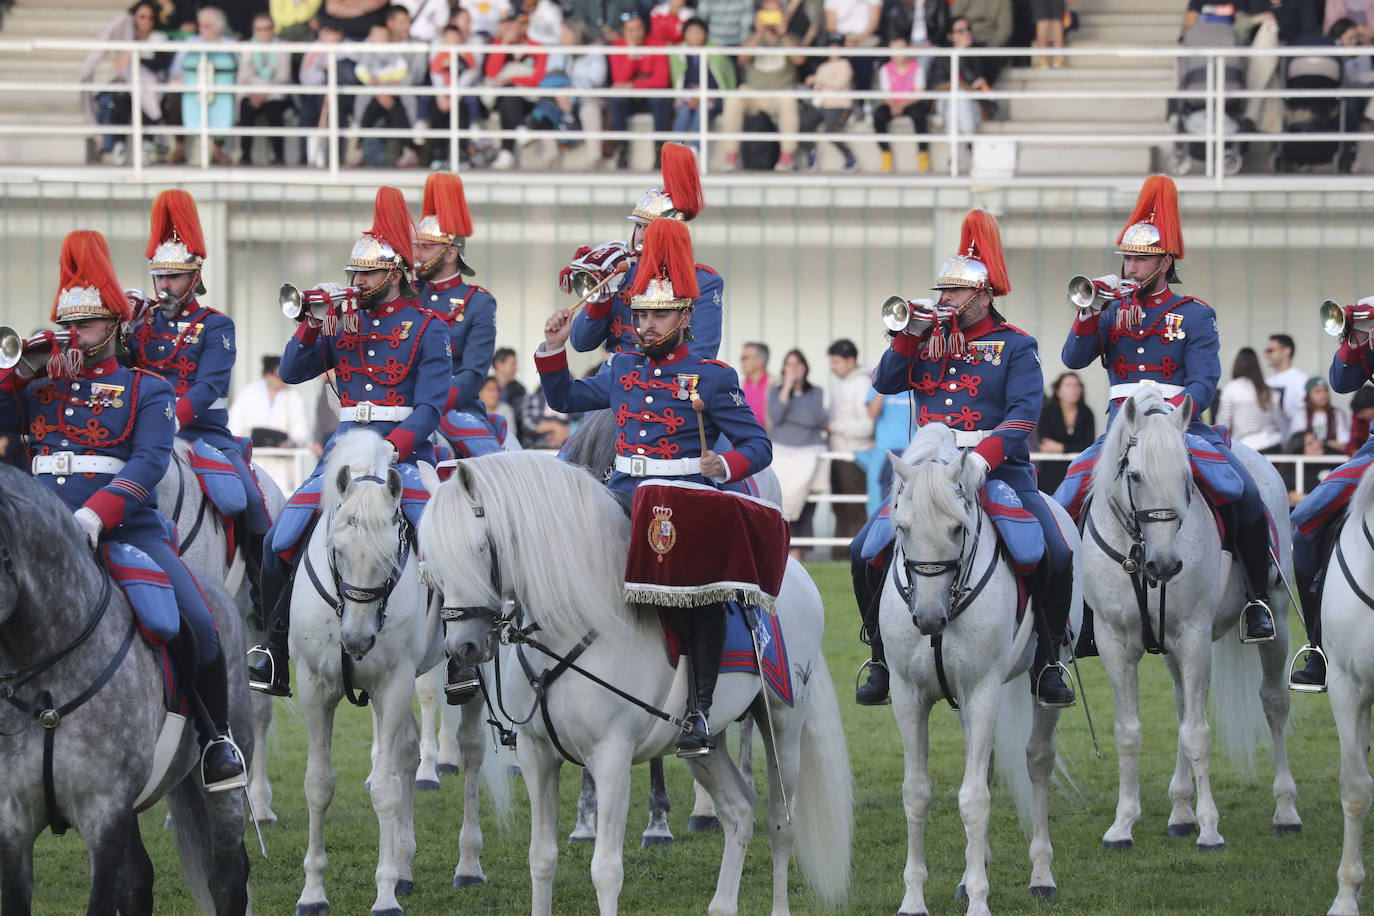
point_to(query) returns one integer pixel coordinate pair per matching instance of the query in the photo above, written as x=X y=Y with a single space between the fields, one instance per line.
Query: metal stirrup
x=1068 y=682
x=237 y=782
x=1293 y=667
x=1273 y=624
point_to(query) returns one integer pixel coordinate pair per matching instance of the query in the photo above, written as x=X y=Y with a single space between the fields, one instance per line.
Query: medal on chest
x=106 y=395
x=989 y=351
x=686 y=387
x=1173 y=327
x=188 y=332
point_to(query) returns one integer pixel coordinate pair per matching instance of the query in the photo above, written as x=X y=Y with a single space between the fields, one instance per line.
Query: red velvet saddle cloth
x=691 y=544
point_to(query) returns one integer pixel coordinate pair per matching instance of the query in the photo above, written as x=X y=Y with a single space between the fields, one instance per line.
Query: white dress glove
x=395 y=452
x=1106 y=289
x=91 y=525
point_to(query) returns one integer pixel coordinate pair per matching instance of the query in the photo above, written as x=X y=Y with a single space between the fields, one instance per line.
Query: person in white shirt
x=1289 y=383
x=851 y=430
x=269 y=406
x=1250 y=407
x=486 y=15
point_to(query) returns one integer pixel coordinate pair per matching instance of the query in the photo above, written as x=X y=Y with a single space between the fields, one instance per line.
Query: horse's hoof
x=1182 y=829
x=1118 y=844
x=1044 y=892
x=447 y=768
x=703 y=823
x=468 y=880
x=426 y=785
x=581 y=838
x=270 y=820
x=905 y=913
x=404 y=887
x=1210 y=847
x=961 y=893
x=658 y=839
x=1286 y=829
x=312 y=909
x=389 y=911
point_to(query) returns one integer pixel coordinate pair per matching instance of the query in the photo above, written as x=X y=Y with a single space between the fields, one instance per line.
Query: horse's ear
x=1183 y=413
x=343 y=480
x=1131 y=411
x=464 y=477
x=899 y=467
x=393 y=483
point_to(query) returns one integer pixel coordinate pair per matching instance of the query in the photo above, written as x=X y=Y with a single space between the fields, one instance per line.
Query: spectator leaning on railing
x=261 y=67
x=686 y=74
x=380 y=71
x=192 y=67
x=514 y=68
x=444 y=69
x=763 y=72
x=637 y=71
x=314 y=72
x=114 y=107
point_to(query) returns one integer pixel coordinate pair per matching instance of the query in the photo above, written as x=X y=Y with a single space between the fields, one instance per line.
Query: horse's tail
x=825 y=791
x=1239 y=715
x=497 y=774
x=1015 y=716
x=193 y=830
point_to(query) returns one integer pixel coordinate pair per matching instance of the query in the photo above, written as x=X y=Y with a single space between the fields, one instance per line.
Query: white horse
x=1349 y=644
x=1146 y=513
x=201 y=541
x=359 y=622
x=554 y=538
x=948 y=617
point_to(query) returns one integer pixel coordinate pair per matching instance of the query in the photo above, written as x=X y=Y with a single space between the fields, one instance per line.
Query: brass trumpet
x=34 y=351
x=1333 y=318
x=912 y=316
x=314 y=303
x=1082 y=291
x=582 y=279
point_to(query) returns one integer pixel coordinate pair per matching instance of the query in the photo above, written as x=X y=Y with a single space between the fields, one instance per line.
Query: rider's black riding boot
x=1252 y=541
x=1053 y=595
x=252 y=561
x=221 y=764
x=706 y=643
x=868 y=588
x=269 y=670
x=460 y=683
x=1313 y=674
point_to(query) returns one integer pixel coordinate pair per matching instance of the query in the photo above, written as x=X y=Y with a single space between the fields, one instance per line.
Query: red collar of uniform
x=392 y=307
x=1159 y=298
x=104 y=367
x=677 y=356
x=439 y=286
x=987 y=324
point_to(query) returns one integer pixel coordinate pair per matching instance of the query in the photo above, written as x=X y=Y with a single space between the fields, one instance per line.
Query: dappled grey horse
x=85 y=691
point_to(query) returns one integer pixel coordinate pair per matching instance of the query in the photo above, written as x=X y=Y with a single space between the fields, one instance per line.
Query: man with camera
x=764 y=72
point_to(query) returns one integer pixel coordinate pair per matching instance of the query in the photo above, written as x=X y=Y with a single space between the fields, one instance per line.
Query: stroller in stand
x=1312 y=114
x=1189 y=116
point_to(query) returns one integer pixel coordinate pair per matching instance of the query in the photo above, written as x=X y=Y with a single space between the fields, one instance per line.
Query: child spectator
x=831 y=79
x=686 y=74
x=262 y=67
x=445 y=69
x=669 y=19
x=902 y=73
x=383 y=70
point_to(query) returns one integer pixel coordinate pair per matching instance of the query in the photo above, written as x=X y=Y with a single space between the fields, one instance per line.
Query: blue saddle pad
x=147 y=587
x=218 y=478
x=1330 y=496
x=738 y=656
x=1019 y=530
x=469 y=434
x=414 y=495
x=296 y=516
x=1214 y=475
x=877 y=534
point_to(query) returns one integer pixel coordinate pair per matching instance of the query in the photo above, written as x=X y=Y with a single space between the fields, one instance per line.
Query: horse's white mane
x=929 y=501
x=363 y=522
x=560 y=537
x=1160 y=451
x=1364 y=496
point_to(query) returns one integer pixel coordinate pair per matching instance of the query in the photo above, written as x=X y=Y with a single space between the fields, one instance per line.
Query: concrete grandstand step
x=1085 y=110
x=1104 y=78
x=1107 y=56
x=76 y=25
x=1081 y=159
x=1092 y=8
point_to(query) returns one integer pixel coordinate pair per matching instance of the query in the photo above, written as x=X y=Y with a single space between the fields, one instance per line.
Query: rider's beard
x=663 y=345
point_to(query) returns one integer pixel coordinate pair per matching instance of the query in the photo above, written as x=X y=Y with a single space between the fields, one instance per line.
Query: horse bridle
x=1133 y=520
x=960 y=594
x=363 y=594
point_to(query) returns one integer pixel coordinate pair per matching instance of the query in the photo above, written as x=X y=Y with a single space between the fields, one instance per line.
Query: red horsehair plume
x=391 y=223
x=85 y=261
x=444 y=197
x=668 y=254
x=1158 y=206
x=174 y=213
x=980 y=238
x=682 y=180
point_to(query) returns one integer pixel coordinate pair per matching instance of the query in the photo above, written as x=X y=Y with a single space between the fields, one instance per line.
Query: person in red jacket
x=503 y=70
x=638 y=71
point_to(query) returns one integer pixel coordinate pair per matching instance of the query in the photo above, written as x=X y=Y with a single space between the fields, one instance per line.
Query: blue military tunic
x=111 y=412
x=470 y=312
x=196 y=352
x=654 y=415
x=610 y=324
x=398 y=361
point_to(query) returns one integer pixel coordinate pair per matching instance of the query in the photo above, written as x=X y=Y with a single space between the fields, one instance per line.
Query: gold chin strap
x=434 y=261
x=671 y=331
x=365 y=298
x=94 y=352
x=1148 y=284
x=180 y=301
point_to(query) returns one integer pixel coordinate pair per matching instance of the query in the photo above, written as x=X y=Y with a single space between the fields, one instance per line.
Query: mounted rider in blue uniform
x=100 y=436
x=1313 y=519
x=607 y=320
x=193 y=347
x=1155 y=337
x=469 y=310
x=650 y=391
x=981 y=377
x=392 y=367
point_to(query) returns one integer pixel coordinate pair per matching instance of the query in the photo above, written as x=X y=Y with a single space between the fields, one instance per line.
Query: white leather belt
x=64 y=463
x=968 y=438
x=1126 y=389
x=219 y=404
x=639 y=466
x=367 y=412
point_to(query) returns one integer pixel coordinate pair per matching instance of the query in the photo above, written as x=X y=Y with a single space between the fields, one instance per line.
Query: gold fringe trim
x=667 y=596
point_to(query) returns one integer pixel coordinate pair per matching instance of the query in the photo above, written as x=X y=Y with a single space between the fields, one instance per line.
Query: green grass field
x=1256 y=873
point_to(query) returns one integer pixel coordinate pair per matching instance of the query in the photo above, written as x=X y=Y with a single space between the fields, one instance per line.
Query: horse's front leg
x=1121 y=671
x=1182 y=821
x=121 y=872
x=396 y=743
x=1040 y=765
x=703 y=819
x=539 y=765
x=912 y=710
x=259 y=788
x=1351 y=712
x=979 y=717
x=16 y=871
x=1275 y=698
x=318 y=711
x=472 y=746
x=1195 y=734
x=584 y=831
x=427 y=689
x=657 y=833
x=735 y=803
x=612 y=766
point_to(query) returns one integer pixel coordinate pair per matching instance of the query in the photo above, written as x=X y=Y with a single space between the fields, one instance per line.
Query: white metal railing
x=1213 y=96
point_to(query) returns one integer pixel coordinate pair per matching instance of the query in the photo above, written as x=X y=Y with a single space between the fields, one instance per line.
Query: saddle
x=469 y=434
x=738 y=656
x=154 y=604
x=218 y=478
x=304 y=505
x=1212 y=473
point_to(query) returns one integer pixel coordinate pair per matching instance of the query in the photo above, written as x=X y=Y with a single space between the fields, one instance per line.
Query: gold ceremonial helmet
x=78 y=303
x=371 y=253
x=1141 y=238
x=430 y=231
x=652 y=205
x=963 y=272
x=659 y=295
x=173 y=257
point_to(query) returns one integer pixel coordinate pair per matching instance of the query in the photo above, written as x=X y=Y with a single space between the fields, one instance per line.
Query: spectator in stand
x=922 y=22
x=399 y=25
x=991 y=23
x=214 y=68
x=138 y=24
x=1359 y=74
x=486 y=16
x=259 y=67
x=902 y=73
x=1361 y=11
x=972 y=76
x=637 y=71
x=295 y=20
x=1361 y=415
x=856 y=22
x=354 y=18
x=603 y=17
x=446 y=69
x=668 y=21
x=571 y=110
x=728 y=20
x=1288 y=382
x=270 y=412
x=504 y=365
x=803 y=19
x=505 y=69
x=685 y=72
x=764 y=72
x=314 y=72
x=382 y=70
x=1066 y=426
x=754 y=379
x=833 y=80
x=1049 y=32
x=796 y=424
x=427 y=18
x=541 y=426
x=1249 y=407
x=490 y=396
x=851 y=430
